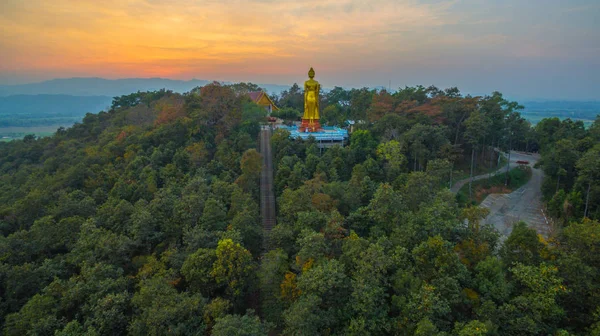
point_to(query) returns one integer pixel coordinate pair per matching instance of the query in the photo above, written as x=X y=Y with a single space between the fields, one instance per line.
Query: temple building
x=262 y=99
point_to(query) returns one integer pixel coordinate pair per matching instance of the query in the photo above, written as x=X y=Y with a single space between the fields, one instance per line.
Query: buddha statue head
x=311 y=73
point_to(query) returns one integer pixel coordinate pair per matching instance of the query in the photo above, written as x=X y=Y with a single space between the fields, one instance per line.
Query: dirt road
x=523 y=204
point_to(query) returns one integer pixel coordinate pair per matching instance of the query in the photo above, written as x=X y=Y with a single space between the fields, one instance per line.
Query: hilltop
x=144 y=220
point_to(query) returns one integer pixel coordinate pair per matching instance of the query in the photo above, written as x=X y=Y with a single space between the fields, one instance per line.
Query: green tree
x=160 y=310
x=476 y=125
x=233 y=267
x=579 y=265
x=368 y=300
x=535 y=309
x=305 y=317
x=287 y=113
x=100 y=245
x=273 y=268
x=332 y=115
x=292 y=98
x=589 y=173
x=491 y=280
x=214 y=216
x=145 y=228
x=236 y=325
x=522 y=246
x=512 y=122
x=251 y=164
x=247 y=222
x=37 y=317
x=362 y=144
x=360 y=101
x=391 y=154
x=326 y=279
x=385 y=209
x=439 y=169
x=473 y=328
x=560 y=161
x=197 y=270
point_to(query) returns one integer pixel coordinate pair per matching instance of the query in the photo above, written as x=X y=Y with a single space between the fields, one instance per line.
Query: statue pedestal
x=310 y=125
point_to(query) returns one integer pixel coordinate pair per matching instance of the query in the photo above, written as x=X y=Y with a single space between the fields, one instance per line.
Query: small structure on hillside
x=352 y=125
x=327 y=136
x=262 y=99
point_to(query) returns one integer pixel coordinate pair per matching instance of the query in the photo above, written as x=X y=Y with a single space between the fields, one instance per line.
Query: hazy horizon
x=283 y=86
x=528 y=50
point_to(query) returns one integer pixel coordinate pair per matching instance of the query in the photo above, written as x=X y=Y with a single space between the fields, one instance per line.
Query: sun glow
x=194 y=38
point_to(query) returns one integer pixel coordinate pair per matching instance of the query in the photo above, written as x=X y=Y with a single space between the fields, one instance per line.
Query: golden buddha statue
x=310 y=119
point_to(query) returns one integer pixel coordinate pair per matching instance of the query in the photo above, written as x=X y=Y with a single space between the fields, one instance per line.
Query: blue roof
x=328 y=133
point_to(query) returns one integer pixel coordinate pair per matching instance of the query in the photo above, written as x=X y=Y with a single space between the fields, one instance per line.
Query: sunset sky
x=524 y=48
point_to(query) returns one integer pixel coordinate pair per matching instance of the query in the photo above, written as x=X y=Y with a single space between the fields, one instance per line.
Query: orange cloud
x=185 y=38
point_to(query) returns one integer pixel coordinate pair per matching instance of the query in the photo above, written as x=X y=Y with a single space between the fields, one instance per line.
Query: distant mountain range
x=111 y=87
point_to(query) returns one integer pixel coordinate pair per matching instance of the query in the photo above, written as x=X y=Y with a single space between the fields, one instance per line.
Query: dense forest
x=144 y=220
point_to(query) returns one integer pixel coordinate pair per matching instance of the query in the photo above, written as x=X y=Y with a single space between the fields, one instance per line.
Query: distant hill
x=111 y=87
x=45 y=110
x=577 y=110
x=48 y=104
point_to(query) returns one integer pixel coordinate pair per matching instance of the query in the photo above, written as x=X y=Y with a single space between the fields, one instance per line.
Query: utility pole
x=508 y=163
x=587 y=199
